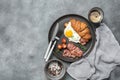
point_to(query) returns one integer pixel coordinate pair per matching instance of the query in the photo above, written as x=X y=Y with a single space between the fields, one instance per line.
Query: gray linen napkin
x=104 y=57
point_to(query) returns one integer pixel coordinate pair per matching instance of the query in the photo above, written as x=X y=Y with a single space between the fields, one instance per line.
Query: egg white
x=75 y=37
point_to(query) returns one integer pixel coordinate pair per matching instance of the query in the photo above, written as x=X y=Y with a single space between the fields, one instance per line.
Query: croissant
x=85 y=31
x=87 y=36
x=82 y=29
x=83 y=26
x=73 y=22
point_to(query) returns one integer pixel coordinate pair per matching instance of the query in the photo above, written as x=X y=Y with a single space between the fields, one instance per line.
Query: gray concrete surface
x=24 y=26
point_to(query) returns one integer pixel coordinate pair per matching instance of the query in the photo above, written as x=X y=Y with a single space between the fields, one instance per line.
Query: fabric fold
x=101 y=61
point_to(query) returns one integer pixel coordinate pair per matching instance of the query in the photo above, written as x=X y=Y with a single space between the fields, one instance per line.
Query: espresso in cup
x=96 y=15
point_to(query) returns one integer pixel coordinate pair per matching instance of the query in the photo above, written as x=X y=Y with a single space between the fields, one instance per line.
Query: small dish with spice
x=55 y=69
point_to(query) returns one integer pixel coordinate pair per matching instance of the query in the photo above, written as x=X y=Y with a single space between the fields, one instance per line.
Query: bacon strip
x=72 y=51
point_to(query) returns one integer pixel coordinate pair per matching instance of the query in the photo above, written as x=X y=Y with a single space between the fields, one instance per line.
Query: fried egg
x=71 y=34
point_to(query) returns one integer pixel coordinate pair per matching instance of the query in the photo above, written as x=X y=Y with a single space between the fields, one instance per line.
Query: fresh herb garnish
x=83 y=48
x=57 y=51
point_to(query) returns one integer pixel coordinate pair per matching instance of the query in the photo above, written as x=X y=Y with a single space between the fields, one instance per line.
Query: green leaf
x=83 y=48
x=57 y=51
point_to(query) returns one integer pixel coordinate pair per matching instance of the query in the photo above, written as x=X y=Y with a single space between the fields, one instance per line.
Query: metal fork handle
x=48 y=49
x=49 y=54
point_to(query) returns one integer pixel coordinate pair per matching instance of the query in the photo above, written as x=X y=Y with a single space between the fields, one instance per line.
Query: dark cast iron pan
x=61 y=22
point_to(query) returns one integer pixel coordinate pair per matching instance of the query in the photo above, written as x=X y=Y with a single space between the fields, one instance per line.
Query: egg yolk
x=68 y=33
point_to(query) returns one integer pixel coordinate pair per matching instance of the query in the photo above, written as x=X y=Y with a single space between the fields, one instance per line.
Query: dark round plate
x=89 y=46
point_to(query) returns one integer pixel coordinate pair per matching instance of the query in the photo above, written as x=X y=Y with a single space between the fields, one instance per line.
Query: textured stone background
x=24 y=26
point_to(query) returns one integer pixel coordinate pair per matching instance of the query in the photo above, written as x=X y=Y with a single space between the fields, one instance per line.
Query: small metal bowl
x=58 y=77
x=100 y=11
